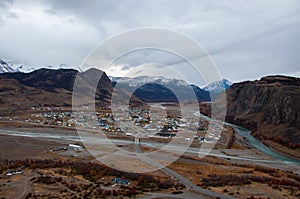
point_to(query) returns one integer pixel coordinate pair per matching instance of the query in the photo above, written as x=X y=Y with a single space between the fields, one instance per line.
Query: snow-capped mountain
x=15 y=67
x=7 y=66
x=62 y=66
x=214 y=87
x=141 y=80
x=160 y=89
x=218 y=86
x=24 y=68
x=207 y=93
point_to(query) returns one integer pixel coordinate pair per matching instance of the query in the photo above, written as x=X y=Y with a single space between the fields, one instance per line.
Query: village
x=154 y=125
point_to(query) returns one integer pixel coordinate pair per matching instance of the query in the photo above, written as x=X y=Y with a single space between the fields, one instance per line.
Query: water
x=255 y=142
x=260 y=146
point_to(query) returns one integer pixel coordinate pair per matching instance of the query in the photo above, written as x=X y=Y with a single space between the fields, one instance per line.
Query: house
x=19 y=172
x=14 y=172
x=10 y=173
x=75 y=147
x=106 y=128
x=206 y=140
x=151 y=129
x=120 y=181
x=182 y=125
x=166 y=134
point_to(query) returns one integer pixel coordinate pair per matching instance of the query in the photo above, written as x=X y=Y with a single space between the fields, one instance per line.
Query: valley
x=177 y=143
x=149 y=99
x=233 y=161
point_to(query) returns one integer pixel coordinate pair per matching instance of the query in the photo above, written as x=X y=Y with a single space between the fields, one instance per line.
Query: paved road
x=184 y=195
x=189 y=185
x=91 y=137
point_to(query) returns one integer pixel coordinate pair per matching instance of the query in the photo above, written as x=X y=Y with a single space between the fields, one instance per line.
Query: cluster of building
x=55 y=118
x=104 y=120
x=85 y=119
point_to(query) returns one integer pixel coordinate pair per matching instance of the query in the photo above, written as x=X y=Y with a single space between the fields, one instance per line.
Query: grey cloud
x=249 y=39
x=4 y=4
x=126 y=67
x=4 y=10
x=138 y=57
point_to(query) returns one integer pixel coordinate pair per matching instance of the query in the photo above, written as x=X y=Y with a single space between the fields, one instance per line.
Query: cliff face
x=270 y=107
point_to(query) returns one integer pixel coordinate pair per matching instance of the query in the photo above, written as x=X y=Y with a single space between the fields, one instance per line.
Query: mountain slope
x=5 y=67
x=47 y=87
x=215 y=88
x=270 y=108
x=160 y=89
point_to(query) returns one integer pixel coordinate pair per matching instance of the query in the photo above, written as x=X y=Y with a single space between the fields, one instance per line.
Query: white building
x=75 y=147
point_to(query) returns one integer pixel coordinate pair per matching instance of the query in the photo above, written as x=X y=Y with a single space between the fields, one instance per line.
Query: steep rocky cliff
x=270 y=107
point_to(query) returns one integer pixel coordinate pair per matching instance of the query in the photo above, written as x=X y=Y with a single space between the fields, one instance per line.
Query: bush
x=237 y=180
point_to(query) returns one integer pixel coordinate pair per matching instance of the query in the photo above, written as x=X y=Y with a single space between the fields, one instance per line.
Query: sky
x=245 y=39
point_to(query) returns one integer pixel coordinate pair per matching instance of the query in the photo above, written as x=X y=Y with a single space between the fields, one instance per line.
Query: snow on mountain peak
x=7 y=66
x=218 y=86
x=214 y=87
x=141 y=80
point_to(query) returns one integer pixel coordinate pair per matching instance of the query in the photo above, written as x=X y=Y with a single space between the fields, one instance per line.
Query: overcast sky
x=246 y=39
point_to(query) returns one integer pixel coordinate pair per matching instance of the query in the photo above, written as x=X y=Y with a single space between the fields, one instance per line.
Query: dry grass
x=196 y=170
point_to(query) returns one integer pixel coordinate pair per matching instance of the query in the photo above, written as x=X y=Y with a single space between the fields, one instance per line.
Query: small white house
x=14 y=172
x=19 y=172
x=75 y=147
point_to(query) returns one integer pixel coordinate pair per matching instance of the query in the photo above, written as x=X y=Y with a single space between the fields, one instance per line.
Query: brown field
x=210 y=173
x=239 y=179
x=48 y=174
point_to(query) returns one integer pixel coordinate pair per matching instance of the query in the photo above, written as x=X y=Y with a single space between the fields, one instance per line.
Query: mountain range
x=214 y=88
x=48 y=87
x=7 y=66
x=150 y=89
x=269 y=107
x=158 y=89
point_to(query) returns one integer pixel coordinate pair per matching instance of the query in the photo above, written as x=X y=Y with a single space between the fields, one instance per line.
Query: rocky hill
x=46 y=87
x=270 y=108
x=54 y=88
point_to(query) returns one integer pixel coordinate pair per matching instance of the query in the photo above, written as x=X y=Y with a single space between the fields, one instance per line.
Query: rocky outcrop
x=270 y=107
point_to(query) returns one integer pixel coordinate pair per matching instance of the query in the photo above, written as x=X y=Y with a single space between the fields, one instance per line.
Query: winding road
x=174 y=175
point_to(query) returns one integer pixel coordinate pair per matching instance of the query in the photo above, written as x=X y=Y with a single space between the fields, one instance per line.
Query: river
x=252 y=141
